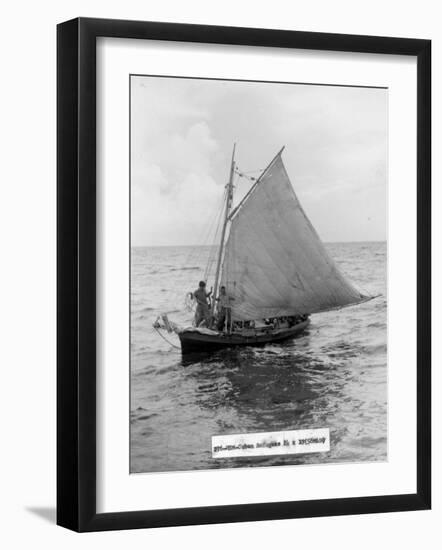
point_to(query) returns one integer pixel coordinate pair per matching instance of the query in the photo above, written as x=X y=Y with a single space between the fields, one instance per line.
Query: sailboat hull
x=193 y=341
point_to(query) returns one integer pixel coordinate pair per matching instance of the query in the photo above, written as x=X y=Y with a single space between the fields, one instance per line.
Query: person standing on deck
x=202 y=313
x=224 y=309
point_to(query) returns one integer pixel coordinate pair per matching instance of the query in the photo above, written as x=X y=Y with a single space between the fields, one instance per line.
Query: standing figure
x=224 y=309
x=202 y=313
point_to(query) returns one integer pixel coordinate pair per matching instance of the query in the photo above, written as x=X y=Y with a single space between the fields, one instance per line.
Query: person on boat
x=202 y=313
x=224 y=309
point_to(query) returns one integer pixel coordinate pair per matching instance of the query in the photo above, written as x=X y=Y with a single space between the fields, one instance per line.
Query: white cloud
x=173 y=192
x=183 y=131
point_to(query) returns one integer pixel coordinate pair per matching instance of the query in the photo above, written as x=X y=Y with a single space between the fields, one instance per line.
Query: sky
x=183 y=131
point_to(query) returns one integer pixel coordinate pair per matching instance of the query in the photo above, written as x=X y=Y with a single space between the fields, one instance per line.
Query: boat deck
x=193 y=340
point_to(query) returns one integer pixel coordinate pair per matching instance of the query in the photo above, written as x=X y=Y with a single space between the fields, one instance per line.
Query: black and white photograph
x=220 y=316
x=258 y=274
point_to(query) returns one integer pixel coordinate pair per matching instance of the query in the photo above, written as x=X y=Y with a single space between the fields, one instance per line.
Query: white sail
x=274 y=262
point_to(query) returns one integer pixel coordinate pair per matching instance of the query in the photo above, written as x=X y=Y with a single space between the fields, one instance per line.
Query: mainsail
x=274 y=261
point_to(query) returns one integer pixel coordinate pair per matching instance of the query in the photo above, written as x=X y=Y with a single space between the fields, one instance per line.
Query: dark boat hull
x=193 y=341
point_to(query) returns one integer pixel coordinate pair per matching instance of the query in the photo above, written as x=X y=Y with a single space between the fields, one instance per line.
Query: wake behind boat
x=272 y=271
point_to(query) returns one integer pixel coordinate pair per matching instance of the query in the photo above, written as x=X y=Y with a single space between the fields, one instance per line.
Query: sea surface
x=332 y=376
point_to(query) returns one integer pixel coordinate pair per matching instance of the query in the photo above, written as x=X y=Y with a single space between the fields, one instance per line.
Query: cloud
x=183 y=131
x=173 y=192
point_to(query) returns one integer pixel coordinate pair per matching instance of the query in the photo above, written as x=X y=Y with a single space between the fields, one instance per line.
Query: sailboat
x=273 y=266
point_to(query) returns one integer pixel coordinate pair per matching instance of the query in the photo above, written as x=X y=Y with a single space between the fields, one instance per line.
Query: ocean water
x=332 y=376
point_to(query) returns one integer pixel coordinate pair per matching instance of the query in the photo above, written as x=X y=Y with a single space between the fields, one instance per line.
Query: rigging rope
x=189 y=302
x=164 y=338
x=196 y=254
x=245 y=175
x=214 y=223
x=213 y=251
x=213 y=227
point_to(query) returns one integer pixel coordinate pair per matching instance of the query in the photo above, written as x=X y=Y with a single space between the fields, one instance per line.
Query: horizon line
x=207 y=245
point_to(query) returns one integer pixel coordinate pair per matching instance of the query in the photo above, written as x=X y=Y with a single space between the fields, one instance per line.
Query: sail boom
x=364 y=300
x=267 y=313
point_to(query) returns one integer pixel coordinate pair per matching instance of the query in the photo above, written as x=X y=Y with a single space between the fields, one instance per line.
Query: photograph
x=258 y=274
x=220 y=320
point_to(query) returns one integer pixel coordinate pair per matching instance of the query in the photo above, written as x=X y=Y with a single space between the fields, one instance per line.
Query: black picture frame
x=76 y=273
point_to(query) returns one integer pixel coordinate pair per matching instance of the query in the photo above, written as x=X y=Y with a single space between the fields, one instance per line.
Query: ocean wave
x=193 y=268
x=147 y=416
x=376 y=349
x=334 y=376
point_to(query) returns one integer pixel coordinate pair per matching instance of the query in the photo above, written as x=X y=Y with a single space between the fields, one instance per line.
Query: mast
x=229 y=198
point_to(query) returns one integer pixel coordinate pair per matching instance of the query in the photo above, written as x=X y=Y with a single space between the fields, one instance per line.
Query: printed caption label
x=271 y=443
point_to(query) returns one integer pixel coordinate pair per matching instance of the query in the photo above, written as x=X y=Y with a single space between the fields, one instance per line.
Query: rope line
x=165 y=339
